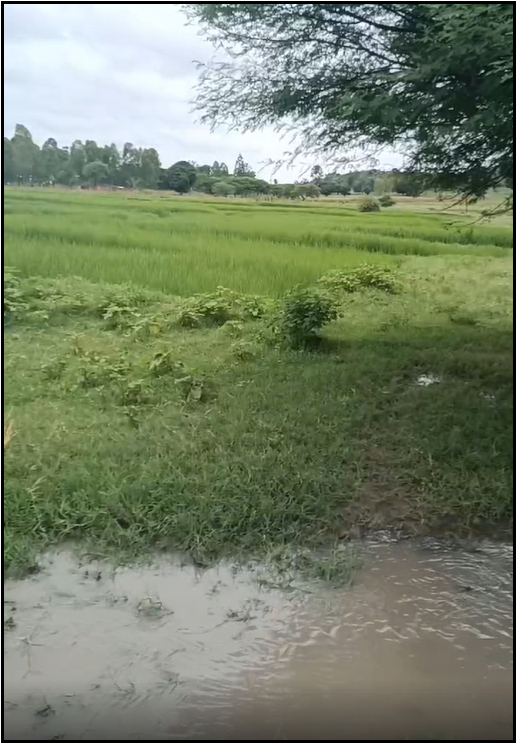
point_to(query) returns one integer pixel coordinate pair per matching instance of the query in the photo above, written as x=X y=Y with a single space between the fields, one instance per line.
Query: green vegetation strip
x=179 y=420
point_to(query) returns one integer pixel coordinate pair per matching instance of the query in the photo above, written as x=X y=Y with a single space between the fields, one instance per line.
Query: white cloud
x=117 y=73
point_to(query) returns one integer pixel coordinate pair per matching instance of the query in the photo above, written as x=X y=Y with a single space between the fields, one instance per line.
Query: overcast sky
x=118 y=73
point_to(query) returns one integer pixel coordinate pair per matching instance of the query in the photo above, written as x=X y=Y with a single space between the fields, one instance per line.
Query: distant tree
x=223 y=188
x=110 y=156
x=277 y=190
x=384 y=184
x=92 y=151
x=262 y=187
x=77 y=158
x=362 y=182
x=150 y=168
x=25 y=154
x=334 y=183
x=242 y=168
x=305 y=190
x=179 y=177
x=409 y=184
x=317 y=174
x=9 y=171
x=129 y=171
x=95 y=173
x=67 y=176
x=206 y=169
x=51 y=161
x=249 y=186
x=219 y=169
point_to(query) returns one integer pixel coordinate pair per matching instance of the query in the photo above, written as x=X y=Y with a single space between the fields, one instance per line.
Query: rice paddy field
x=126 y=428
x=182 y=246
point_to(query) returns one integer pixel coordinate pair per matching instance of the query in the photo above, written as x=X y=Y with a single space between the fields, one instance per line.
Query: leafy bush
x=367 y=276
x=386 y=201
x=369 y=204
x=302 y=315
x=220 y=307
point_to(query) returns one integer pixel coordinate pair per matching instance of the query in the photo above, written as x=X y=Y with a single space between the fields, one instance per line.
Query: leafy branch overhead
x=436 y=78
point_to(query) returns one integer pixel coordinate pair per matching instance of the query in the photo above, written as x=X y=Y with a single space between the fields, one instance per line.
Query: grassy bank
x=131 y=431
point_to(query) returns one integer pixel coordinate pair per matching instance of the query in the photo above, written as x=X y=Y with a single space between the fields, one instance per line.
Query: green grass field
x=130 y=431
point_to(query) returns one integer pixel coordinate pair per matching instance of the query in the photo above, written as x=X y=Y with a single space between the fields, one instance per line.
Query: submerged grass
x=132 y=432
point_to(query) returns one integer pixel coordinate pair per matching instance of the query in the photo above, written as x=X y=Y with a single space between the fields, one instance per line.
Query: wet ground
x=420 y=647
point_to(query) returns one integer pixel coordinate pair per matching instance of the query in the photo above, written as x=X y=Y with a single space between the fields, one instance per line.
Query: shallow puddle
x=421 y=647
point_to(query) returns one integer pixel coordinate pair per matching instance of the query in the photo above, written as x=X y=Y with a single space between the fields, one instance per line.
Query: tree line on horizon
x=89 y=165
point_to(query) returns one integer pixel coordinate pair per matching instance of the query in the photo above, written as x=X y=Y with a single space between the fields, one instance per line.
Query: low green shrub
x=387 y=200
x=219 y=307
x=369 y=204
x=367 y=276
x=303 y=313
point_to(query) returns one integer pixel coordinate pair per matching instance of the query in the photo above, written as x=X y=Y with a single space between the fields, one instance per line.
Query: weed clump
x=96 y=371
x=369 y=204
x=303 y=313
x=366 y=276
x=14 y=300
x=120 y=317
x=386 y=201
x=219 y=307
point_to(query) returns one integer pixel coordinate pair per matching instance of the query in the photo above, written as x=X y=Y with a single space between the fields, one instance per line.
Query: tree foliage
x=179 y=177
x=96 y=172
x=434 y=77
x=409 y=184
x=222 y=188
x=25 y=154
x=305 y=190
x=242 y=168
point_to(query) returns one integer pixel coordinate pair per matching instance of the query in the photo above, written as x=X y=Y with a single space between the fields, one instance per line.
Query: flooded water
x=420 y=647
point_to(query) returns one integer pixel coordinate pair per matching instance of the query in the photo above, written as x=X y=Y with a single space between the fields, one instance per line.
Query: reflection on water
x=421 y=647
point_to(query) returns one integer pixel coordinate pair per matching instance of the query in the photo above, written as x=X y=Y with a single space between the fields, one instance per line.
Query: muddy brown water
x=419 y=648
